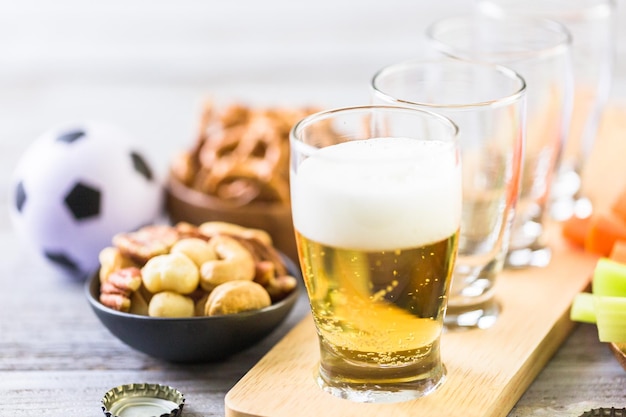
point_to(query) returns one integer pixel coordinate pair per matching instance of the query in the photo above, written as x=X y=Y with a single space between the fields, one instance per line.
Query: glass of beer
x=592 y=25
x=376 y=202
x=540 y=51
x=486 y=102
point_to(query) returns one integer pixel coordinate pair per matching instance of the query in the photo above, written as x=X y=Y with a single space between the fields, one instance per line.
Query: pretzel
x=241 y=154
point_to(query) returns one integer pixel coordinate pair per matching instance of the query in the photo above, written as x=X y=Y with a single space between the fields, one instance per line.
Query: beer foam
x=378 y=194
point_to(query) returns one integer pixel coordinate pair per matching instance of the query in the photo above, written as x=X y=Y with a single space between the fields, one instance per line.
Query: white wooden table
x=146 y=66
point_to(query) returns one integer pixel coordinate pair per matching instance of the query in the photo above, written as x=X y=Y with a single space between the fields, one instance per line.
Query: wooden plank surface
x=488 y=370
x=149 y=72
x=57 y=359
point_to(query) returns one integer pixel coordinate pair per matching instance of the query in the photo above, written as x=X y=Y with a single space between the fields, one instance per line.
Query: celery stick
x=582 y=308
x=610 y=318
x=609 y=278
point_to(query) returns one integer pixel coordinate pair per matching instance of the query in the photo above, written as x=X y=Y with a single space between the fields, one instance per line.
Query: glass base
x=533 y=256
x=567 y=199
x=383 y=392
x=477 y=316
x=563 y=209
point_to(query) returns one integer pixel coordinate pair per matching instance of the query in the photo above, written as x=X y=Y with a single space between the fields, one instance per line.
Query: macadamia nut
x=170 y=272
x=170 y=304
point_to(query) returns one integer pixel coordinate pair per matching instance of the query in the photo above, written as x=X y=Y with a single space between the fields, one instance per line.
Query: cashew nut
x=201 y=304
x=281 y=287
x=211 y=229
x=234 y=263
x=236 y=296
x=170 y=304
x=278 y=286
x=198 y=250
x=138 y=304
x=170 y=272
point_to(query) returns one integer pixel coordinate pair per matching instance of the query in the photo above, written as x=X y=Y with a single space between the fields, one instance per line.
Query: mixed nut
x=184 y=270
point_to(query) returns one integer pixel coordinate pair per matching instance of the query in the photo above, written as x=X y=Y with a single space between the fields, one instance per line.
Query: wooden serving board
x=488 y=370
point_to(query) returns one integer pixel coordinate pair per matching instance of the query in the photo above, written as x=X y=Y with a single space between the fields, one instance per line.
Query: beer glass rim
x=506 y=99
x=561 y=42
x=307 y=149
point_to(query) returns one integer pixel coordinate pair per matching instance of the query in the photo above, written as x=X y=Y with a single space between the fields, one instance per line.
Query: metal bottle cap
x=605 y=412
x=143 y=400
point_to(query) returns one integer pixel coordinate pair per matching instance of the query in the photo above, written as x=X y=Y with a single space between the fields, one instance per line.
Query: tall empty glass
x=376 y=200
x=591 y=23
x=487 y=103
x=538 y=50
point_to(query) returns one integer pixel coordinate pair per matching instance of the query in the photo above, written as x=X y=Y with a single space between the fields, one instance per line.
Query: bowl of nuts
x=187 y=293
x=237 y=171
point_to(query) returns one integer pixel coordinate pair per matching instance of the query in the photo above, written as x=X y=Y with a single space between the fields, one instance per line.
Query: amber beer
x=377 y=225
x=377 y=309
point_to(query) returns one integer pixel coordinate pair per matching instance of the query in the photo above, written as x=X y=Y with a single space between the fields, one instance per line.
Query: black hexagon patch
x=83 y=201
x=141 y=166
x=62 y=260
x=20 y=196
x=71 y=136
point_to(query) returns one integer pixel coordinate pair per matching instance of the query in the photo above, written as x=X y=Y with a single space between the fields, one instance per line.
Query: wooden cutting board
x=488 y=370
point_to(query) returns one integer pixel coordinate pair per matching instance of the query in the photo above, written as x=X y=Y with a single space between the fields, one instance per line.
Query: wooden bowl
x=184 y=204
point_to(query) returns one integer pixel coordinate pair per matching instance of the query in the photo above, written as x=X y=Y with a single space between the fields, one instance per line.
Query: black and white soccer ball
x=77 y=186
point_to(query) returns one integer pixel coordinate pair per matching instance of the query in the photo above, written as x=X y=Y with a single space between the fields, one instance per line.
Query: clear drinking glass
x=376 y=200
x=538 y=50
x=591 y=24
x=487 y=103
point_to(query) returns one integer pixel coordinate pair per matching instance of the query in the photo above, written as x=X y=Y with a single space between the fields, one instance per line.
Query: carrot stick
x=575 y=230
x=618 y=253
x=619 y=205
x=604 y=230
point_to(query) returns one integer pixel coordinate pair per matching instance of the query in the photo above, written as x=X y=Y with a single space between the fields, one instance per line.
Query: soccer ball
x=77 y=186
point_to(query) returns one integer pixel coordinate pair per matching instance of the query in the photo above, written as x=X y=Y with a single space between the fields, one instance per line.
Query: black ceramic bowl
x=194 y=339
